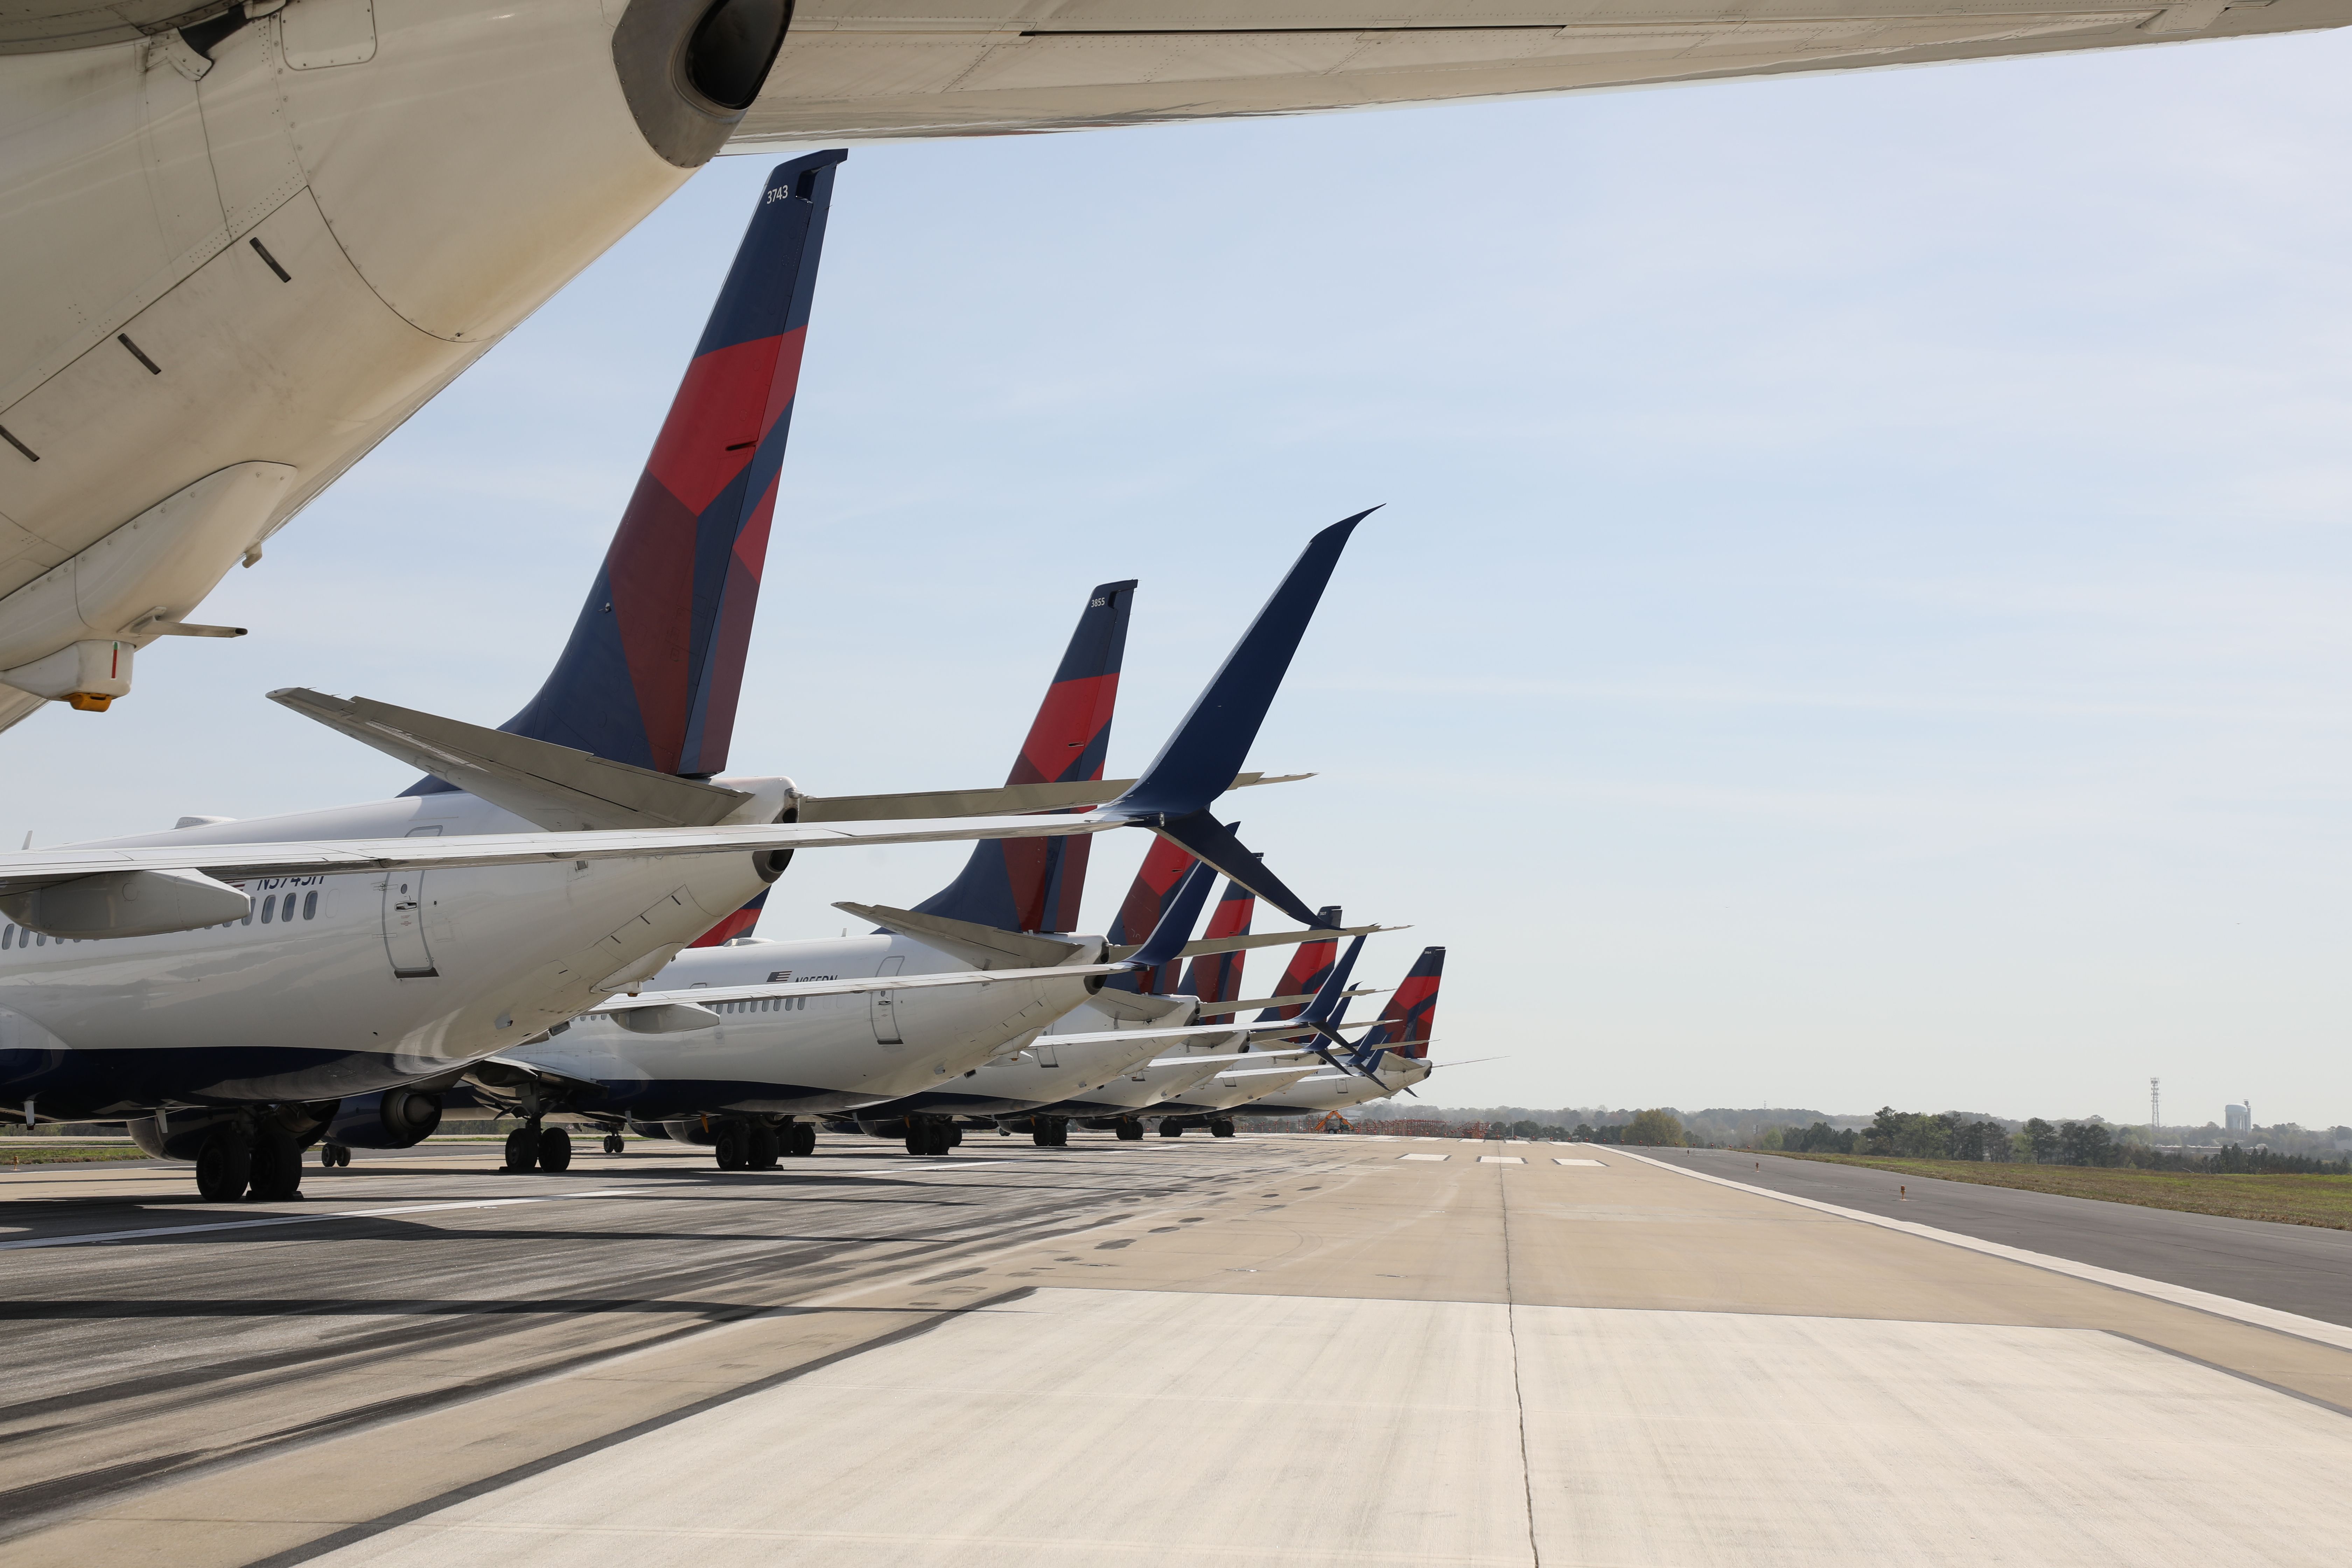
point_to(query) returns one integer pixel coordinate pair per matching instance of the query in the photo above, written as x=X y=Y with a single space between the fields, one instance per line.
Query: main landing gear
x=533 y=1147
x=613 y=1144
x=1220 y=1128
x=333 y=1154
x=260 y=1159
x=1130 y=1132
x=930 y=1137
x=1171 y=1128
x=1050 y=1132
x=757 y=1145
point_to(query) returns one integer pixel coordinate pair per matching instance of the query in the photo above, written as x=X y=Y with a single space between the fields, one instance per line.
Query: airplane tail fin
x=1195 y=767
x=1310 y=966
x=1034 y=884
x=1217 y=976
x=1411 y=1017
x=734 y=925
x=1175 y=927
x=1164 y=868
x=655 y=663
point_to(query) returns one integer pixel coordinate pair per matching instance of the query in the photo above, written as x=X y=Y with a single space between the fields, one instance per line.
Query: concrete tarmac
x=1259 y=1350
x=2295 y=1267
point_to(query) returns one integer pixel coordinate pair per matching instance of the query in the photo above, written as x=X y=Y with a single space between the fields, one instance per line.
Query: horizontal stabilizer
x=710 y=996
x=1147 y=1008
x=1267 y=938
x=1225 y=1009
x=559 y=788
x=986 y=947
x=24 y=869
x=1010 y=800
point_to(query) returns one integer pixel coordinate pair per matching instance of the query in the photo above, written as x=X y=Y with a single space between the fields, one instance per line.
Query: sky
x=1857 y=614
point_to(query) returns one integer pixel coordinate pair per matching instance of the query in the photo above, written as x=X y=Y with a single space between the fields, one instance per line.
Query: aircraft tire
x=276 y=1174
x=224 y=1167
x=522 y=1149
x=613 y=1144
x=1171 y=1129
x=1041 y=1132
x=1220 y=1129
x=1061 y=1132
x=936 y=1141
x=955 y=1135
x=801 y=1140
x=728 y=1146
x=554 y=1150
x=917 y=1140
x=766 y=1145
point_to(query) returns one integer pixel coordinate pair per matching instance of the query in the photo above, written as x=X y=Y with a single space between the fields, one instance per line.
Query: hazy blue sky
x=1859 y=613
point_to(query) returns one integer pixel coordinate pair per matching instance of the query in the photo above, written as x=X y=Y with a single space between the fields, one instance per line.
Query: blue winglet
x=1200 y=760
x=1175 y=928
x=1324 y=1013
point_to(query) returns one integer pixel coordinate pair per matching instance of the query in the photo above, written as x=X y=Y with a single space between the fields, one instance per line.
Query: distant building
x=2238 y=1118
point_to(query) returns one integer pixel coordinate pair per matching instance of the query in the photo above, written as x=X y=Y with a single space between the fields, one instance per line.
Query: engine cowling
x=393 y=1119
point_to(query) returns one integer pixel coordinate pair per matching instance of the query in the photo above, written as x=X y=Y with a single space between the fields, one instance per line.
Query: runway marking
x=1425 y=1157
x=1558 y=1160
x=92 y=1238
x=1500 y=1160
x=2301 y=1327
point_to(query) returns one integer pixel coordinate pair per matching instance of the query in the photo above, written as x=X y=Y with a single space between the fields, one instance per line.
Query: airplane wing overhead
x=27 y=870
x=888 y=68
x=1003 y=801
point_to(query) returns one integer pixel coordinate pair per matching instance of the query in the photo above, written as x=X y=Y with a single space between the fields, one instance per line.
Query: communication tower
x=2154 y=1105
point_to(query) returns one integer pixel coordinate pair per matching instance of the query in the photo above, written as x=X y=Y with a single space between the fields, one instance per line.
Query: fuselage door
x=886 y=1006
x=403 y=919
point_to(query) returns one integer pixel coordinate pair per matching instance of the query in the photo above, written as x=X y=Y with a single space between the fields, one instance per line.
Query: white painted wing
x=704 y=995
x=21 y=871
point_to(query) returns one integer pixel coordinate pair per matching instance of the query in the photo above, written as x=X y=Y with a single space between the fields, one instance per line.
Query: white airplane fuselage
x=1329 y=1092
x=808 y=1055
x=343 y=985
x=1043 y=1071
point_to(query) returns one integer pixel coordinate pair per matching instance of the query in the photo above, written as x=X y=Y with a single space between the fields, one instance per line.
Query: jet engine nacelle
x=393 y=1119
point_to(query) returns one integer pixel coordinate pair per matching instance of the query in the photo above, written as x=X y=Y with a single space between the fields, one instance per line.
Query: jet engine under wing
x=26 y=870
x=1003 y=801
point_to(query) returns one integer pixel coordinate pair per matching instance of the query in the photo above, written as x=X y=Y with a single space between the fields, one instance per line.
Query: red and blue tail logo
x=1309 y=967
x=654 y=664
x=1412 y=1015
x=1147 y=900
x=1034 y=884
x=1217 y=976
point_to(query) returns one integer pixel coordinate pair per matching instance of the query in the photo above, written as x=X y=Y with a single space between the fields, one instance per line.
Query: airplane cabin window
x=7 y=938
x=268 y=907
x=310 y=905
x=246 y=919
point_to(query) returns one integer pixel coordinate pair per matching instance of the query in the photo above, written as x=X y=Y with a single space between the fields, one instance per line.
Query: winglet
x=1173 y=794
x=1175 y=928
x=1210 y=746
